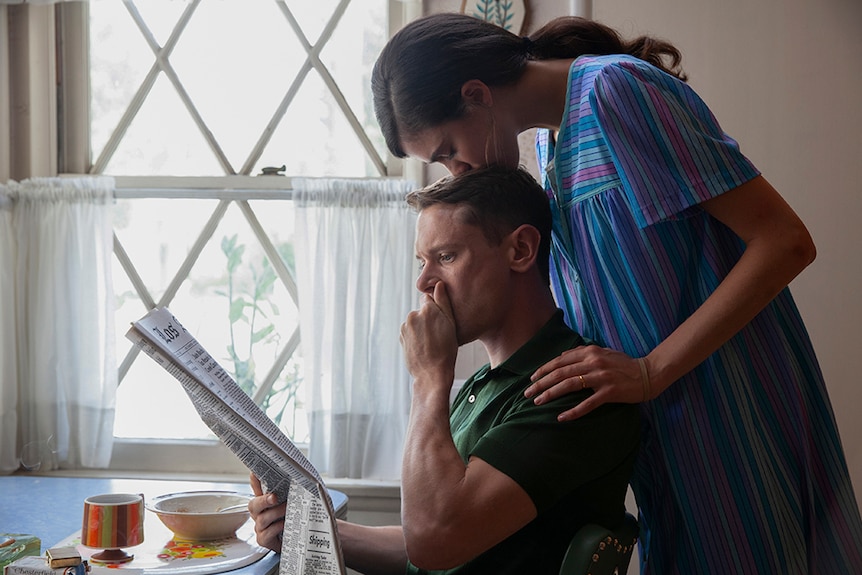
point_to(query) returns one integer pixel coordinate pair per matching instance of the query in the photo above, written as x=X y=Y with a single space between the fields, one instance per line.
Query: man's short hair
x=499 y=200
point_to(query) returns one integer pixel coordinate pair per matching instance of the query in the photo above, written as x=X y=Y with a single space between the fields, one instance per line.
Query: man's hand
x=268 y=516
x=371 y=550
x=429 y=338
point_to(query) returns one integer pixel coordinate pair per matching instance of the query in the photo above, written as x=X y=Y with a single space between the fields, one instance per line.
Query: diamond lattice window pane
x=314 y=138
x=312 y=17
x=160 y=16
x=157 y=235
x=152 y=406
x=236 y=66
x=231 y=67
x=349 y=57
x=119 y=62
x=163 y=140
x=232 y=299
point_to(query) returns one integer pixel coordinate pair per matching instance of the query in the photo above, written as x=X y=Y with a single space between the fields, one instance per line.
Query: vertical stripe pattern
x=741 y=468
x=113 y=521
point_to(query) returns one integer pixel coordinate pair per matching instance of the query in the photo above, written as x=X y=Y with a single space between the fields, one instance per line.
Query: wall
x=784 y=77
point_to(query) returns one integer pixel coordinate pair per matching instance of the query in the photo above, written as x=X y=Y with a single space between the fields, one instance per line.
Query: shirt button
x=471 y=399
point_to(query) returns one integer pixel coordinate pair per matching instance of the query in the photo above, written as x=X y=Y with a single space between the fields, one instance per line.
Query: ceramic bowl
x=194 y=515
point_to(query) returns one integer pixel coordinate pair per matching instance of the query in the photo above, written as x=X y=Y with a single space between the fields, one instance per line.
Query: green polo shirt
x=575 y=472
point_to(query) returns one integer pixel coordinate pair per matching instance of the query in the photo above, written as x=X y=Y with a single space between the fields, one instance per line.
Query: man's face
x=474 y=272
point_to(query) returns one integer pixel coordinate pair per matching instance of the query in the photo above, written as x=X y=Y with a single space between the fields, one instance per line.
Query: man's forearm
x=432 y=469
x=373 y=550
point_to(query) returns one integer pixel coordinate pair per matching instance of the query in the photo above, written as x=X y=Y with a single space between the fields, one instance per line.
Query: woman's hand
x=613 y=376
x=268 y=516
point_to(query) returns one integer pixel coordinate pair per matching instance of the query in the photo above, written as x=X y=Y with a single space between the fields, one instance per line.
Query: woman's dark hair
x=418 y=76
x=499 y=199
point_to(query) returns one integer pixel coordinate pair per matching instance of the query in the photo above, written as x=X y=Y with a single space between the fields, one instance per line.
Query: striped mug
x=111 y=522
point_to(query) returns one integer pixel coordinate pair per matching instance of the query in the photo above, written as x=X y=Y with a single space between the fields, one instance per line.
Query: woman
x=673 y=253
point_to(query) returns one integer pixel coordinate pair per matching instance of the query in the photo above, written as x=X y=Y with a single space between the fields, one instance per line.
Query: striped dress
x=741 y=468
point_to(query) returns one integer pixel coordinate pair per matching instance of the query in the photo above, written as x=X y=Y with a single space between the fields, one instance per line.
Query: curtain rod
x=203 y=193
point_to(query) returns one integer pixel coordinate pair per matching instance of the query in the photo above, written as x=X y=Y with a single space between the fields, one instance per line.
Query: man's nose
x=425 y=282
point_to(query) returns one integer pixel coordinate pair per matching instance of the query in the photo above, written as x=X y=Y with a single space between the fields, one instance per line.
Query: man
x=496 y=484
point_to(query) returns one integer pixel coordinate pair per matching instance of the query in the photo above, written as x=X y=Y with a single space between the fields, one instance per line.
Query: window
x=212 y=87
x=191 y=102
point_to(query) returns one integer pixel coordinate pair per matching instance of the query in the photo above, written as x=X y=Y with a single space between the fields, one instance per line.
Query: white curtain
x=8 y=342
x=355 y=272
x=58 y=391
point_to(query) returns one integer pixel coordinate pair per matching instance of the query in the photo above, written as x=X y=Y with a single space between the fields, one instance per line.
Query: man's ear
x=524 y=248
x=477 y=93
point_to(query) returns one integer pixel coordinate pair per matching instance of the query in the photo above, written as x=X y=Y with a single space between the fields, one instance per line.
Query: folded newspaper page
x=310 y=543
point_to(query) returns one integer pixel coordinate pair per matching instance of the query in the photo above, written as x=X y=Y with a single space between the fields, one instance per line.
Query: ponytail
x=571 y=37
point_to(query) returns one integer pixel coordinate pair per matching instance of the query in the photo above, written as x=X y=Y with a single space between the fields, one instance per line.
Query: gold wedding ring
x=583 y=383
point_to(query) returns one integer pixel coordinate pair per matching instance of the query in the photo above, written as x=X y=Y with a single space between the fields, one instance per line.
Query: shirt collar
x=550 y=341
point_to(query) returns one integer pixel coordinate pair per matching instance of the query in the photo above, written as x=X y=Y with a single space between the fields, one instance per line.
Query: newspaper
x=310 y=544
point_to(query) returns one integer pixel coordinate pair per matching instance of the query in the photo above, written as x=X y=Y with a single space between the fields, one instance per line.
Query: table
x=51 y=507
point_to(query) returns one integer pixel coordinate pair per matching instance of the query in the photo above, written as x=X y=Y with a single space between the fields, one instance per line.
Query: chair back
x=596 y=550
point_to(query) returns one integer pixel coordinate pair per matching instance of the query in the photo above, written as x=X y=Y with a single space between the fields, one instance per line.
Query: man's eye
x=446 y=258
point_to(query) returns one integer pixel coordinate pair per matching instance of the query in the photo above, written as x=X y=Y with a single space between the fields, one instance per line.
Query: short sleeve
x=668 y=148
x=548 y=458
